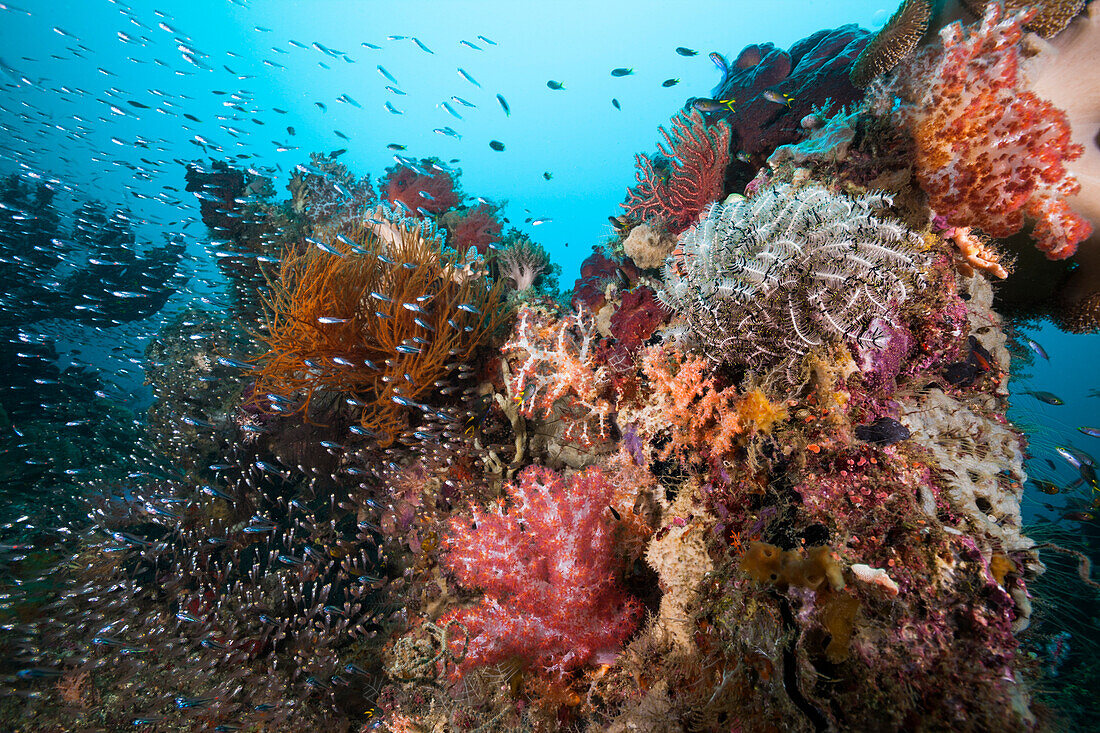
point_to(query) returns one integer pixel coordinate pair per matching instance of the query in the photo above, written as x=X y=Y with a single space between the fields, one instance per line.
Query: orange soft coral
x=989 y=152
x=700 y=414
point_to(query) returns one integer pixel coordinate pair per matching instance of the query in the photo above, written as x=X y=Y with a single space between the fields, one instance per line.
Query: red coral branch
x=989 y=151
x=547 y=566
x=697 y=159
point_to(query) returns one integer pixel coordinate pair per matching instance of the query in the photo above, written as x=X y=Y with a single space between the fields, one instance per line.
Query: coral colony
x=752 y=473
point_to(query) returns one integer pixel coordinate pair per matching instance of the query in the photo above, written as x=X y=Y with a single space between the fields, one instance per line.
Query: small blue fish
x=670 y=82
x=1034 y=346
x=504 y=105
x=491 y=43
x=469 y=309
x=470 y=45
x=557 y=86
x=686 y=51
x=388 y=75
x=622 y=71
x=616 y=105
x=393 y=110
x=1094 y=432
x=451 y=109
x=1048 y=397
x=468 y=78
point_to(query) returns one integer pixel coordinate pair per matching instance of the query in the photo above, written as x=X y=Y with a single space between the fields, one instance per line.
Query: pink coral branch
x=547 y=566
x=698 y=156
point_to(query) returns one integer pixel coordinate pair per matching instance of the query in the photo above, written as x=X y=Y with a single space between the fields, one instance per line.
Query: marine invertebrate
x=811 y=74
x=977 y=253
x=763 y=281
x=556 y=370
x=546 y=564
x=427 y=190
x=699 y=414
x=1049 y=18
x=893 y=42
x=522 y=262
x=478 y=227
x=675 y=186
x=378 y=319
x=648 y=245
x=816 y=569
x=326 y=192
x=989 y=151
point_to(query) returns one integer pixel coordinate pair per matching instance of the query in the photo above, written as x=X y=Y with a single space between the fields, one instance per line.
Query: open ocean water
x=486 y=366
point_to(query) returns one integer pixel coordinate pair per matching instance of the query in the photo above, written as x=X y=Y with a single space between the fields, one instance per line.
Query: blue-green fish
x=622 y=72
x=557 y=86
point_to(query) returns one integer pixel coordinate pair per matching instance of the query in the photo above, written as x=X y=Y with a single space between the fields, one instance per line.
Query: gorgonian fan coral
x=379 y=316
x=763 y=281
x=675 y=186
x=547 y=564
x=478 y=227
x=990 y=152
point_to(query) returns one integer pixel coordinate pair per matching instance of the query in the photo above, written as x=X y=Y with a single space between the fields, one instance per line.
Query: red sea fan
x=989 y=151
x=675 y=190
x=547 y=565
x=409 y=187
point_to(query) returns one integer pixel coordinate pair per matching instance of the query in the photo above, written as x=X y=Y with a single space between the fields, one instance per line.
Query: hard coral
x=547 y=565
x=893 y=42
x=813 y=73
x=988 y=150
x=674 y=187
x=380 y=322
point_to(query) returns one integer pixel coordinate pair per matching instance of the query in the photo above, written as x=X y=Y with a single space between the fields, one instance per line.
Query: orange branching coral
x=989 y=152
x=701 y=415
x=381 y=316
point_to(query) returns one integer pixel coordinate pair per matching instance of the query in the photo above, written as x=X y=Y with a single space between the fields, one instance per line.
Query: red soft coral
x=408 y=187
x=676 y=190
x=547 y=566
x=476 y=227
x=989 y=151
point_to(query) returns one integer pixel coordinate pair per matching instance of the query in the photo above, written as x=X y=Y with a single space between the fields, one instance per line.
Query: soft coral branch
x=988 y=150
x=547 y=565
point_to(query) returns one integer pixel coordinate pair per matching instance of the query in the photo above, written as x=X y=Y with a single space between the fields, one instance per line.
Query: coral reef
x=895 y=41
x=676 y=185
x=427 y=189
x=546 y=565
x=989 y=150
x=812 y=74
x=763 y=280
x=379 y=319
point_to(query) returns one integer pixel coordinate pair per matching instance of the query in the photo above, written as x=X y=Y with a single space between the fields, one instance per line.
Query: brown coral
x=1051 y=16
x=377 y=317
x=892 y=43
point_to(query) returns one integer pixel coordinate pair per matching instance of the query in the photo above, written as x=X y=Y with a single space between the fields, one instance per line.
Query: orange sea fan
x=385 y=320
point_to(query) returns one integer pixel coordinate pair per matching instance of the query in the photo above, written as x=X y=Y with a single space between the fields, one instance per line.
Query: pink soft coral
x=433 y=193
x=547 y=566
x=989 y=151
x=697 y=159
